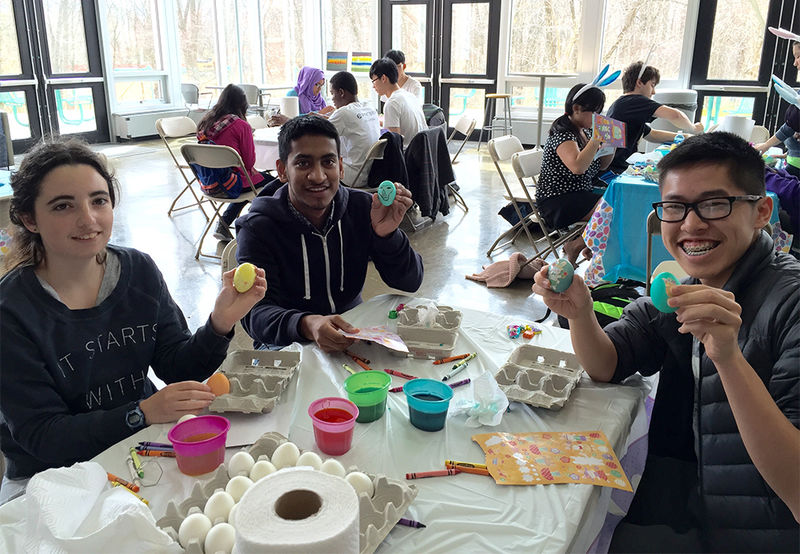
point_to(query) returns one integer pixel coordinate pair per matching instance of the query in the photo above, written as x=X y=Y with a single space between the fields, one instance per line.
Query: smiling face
x=337 y=97
x=313 y=170
x=710 y=250
x=318 y=86
x=73 y=213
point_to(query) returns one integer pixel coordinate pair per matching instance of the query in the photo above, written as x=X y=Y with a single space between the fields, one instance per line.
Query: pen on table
x=462 y=382
x=411 y=523
x=450 y=359
x=114 y=479
x=149 y=444
x=162 y=453
x=459 y=465
x=435 y=473
x=115 y=484
x=399 y=374
x=473 y=470
x=132 y=470
x=459 y=366
x=136 y=462
x=348 y=368
x=356 y=356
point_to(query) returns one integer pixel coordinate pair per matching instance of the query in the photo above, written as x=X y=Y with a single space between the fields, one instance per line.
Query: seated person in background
x=404 y=81
x=226 y=124
x=357 y=125
x=637 y=108
x=787 y=134
x=310 y=83
x=724 y=445
x=564 y=190
x=402 y=112
x=315 y=240
x=81 y=321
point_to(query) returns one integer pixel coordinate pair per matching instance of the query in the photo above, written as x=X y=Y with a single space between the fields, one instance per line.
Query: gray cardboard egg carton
x=434 y=341
x=257 y=377
x=538 y=376
x=377 y=515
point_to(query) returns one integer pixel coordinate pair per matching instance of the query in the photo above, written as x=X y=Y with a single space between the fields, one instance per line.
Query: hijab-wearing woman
x=310 y=83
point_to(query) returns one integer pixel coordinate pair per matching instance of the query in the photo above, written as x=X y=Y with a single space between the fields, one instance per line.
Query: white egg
x=220 y=539
x=237 y=486
x=194 y=527
x=333 y=467
x=285 y=455
x=241 y=463
x=361 y=483
x=186 y=418
x=219 y=506
x=263 y=457
x=310 y=459
x=261 y=469
x=232 y=514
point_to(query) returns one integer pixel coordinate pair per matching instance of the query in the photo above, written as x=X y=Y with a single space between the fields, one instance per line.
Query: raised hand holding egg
x=244 y=277
x=660 y=289
x=560 y=274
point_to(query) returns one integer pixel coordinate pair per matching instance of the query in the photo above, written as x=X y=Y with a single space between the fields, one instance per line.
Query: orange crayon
x=161 y=453
x=127 y=484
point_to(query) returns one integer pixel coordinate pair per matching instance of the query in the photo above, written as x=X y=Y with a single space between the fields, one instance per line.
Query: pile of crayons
x=132 y=488
x=452 y=467
x=161 y=449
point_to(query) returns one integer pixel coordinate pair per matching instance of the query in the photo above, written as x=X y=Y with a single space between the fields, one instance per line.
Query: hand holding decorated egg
x=232 y=305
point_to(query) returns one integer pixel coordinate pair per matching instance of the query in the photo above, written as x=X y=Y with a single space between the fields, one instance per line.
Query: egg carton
x=257 y=377
x=432 y=342
x=377 y=515
x=540 y=377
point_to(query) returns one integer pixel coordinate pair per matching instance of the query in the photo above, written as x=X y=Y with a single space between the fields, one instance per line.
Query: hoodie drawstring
x=341 y=258
x=305 y=268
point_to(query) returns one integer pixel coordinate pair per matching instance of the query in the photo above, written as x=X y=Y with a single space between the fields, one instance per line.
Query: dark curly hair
x=26 y=248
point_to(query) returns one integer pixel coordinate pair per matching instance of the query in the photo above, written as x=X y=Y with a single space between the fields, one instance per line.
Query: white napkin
x=75 y=509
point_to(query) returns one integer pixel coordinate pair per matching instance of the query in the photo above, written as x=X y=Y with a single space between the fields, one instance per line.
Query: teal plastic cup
x=368 y=390
x=428 y=401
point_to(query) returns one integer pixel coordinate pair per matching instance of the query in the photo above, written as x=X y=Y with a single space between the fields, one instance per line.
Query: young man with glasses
x=724 y=445
x=402 y=112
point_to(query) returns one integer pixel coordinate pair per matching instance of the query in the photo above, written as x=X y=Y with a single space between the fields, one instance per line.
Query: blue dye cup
x=428 y=401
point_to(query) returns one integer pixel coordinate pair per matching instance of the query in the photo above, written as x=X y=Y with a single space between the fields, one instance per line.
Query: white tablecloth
x=465 y=512
x=266 y=145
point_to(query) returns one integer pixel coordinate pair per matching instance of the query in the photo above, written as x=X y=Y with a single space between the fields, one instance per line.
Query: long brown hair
x=232 y=100
x=26 y=247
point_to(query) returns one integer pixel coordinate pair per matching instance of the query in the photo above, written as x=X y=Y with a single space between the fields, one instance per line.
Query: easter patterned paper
x=381 y=335
x=552 y=458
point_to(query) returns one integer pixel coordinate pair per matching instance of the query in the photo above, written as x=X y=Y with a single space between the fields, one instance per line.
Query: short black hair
x=344 y=80
x=300 y=126
x=384 y=66
x=744 y=163
x=397 y=56
x=631 y=74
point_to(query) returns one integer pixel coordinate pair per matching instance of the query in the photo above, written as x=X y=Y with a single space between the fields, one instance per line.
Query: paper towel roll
x=298 y=510
x=738 y=125
x=290 y=106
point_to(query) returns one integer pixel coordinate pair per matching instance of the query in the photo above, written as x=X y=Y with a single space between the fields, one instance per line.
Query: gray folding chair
x=216 y=156
x=228 y=260
x=175 y=131
x=375 y=152
x=500 y=150
x=465 y=125
x=191 y=98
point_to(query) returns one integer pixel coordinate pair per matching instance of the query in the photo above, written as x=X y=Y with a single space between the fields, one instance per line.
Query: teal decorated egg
x=560 y=274
x=386 y=193
x=659 y=291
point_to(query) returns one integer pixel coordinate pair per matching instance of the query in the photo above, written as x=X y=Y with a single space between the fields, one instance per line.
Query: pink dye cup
x=199 y=443
x=333 y=419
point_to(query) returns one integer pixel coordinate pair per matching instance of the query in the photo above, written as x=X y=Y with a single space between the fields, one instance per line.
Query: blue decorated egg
x=560 y=274
x=386 y=193
x=659 y=291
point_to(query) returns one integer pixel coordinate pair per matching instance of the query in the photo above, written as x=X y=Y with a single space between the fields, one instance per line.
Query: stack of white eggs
x=213 y=527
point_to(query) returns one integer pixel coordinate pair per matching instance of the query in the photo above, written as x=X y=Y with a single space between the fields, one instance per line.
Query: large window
x=409 y=32
x=282 y=22
x=9 y=61
x=737 y=40
x=67 y=48
x=544 y=36
x=198 y=60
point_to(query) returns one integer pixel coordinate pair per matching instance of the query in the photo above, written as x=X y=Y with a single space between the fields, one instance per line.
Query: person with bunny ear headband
x=636 y=109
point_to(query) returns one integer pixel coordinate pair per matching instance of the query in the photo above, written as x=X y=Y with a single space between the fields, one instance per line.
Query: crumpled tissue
x=74 y=509
x=488 y=405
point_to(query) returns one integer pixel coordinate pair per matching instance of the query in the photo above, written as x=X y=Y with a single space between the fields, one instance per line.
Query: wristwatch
x=134 y=418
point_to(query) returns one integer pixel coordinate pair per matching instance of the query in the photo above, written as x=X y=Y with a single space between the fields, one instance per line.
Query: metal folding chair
x=176 y=131
x=228 y=260
x=465 y=125
x=375 y=152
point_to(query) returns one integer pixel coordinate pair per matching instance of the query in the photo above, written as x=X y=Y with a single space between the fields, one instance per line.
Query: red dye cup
x=333 y=419
x=199 y=443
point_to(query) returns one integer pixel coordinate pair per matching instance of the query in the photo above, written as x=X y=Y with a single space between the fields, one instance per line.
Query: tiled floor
x=455 y=245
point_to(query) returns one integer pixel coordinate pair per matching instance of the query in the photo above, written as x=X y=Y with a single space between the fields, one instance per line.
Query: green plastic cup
x=368 y=390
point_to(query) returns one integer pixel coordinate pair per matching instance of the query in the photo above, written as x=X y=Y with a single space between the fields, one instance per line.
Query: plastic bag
x=488 y=404
x=427 y=311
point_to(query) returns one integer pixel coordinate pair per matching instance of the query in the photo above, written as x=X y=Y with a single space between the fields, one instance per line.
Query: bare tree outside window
x=66 y=43
x=284 y=54
x=737 y=40
x=195 y=20
x=133 y=35
x=9 y=61
x=469 y=39
x=408 y=34
x=544 y=36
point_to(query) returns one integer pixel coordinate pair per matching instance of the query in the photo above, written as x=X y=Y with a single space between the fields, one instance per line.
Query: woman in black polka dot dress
x=564 y=191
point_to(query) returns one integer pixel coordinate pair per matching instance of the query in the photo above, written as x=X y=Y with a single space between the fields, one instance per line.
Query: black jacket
x=392 y=167
x=429 y=171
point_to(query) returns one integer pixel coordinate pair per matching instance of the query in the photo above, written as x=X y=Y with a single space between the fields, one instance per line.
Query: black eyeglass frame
x=694 y=206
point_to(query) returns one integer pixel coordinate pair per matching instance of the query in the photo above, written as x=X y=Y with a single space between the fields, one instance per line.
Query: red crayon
x=396 y=389
x=436 y=473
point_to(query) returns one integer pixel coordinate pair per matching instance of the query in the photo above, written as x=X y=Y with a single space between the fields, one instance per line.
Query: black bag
x=434 y=115
x=609 y=300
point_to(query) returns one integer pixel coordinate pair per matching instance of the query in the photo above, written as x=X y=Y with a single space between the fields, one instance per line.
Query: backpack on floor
x=220 y=182
x=609 y=300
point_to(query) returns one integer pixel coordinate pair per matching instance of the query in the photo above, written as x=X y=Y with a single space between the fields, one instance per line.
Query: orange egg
x=219 y=384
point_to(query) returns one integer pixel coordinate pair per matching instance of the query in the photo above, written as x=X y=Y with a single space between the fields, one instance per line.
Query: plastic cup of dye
x=333 y=419
x=368 y=390
x=199 y=443
x=428 y=401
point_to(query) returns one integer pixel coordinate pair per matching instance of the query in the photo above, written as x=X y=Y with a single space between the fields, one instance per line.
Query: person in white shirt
x=357 y=124
x=402 y=112
x=405 y=81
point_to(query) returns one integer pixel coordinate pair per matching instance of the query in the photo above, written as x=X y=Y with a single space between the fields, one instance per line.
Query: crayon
x=114 y=479
x=362 y=364
x=462 y=382
x=399 y=374
x=161 y=453
x=473 y=470
x=153 y=447
x=459 y=465
x=459 y=366
x=356 y=356
x=136 y=462
x=435 y=473
x=133 y=472
x=348 y=368
x=450 y=359
x=396 y=389
x=149 y=444
x=115 y=484
x=411 y=523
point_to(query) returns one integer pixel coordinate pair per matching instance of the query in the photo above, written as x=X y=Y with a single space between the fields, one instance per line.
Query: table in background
x=464 y=511
x=617 y=231
x=266 y=144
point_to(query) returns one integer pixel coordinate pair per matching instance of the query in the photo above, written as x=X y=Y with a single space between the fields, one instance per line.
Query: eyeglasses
x=707 y=210
x=375 y=79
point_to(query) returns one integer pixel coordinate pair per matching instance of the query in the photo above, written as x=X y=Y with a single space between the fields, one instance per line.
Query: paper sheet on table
x=380 y=335
x=551 y=458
